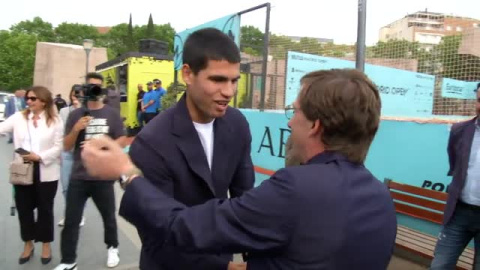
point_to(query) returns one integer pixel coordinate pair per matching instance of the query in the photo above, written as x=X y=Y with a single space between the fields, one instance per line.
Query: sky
x=334 y=19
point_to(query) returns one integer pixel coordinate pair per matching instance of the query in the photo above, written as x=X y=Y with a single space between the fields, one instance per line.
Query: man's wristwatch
x=127 y=177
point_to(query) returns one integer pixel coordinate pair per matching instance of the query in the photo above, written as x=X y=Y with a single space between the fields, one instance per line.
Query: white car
x=4 y=96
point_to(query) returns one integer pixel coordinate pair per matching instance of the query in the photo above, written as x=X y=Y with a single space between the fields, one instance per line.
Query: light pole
x=87 y=46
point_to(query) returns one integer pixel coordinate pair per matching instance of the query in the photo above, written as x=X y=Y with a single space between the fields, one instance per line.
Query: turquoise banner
x=458 y=89
x=229 y=25
x=408 y=152
x=403 y=93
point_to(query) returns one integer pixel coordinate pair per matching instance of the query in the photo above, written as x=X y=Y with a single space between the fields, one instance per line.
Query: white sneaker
x=113 y=258
x=82 y=223
x=64 y=266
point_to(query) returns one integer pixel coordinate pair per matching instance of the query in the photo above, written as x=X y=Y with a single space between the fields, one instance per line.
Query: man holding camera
x=92 y=120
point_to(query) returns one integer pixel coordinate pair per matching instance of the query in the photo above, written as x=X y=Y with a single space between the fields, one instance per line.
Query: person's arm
x=118 y=131
x=260 y=220
x=72 y=129
x=7 y=125
x=52 y=154
x=147 y=99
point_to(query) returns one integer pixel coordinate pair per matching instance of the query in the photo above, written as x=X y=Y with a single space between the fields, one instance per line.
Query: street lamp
x=87 y=46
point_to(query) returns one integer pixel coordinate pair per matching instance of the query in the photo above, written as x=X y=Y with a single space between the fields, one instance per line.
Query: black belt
x=469 y=206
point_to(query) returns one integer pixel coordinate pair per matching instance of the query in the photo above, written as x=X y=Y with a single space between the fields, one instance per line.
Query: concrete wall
x=59 y=66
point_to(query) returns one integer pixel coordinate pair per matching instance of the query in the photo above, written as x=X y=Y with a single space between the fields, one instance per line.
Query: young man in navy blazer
x=199 y=149
x=461 y=220
x=329 y=213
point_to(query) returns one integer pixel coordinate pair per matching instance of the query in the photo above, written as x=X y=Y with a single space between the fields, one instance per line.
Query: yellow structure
x=131 y=69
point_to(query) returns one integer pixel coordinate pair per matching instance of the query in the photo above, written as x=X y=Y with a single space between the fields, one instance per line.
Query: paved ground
x=92 y=251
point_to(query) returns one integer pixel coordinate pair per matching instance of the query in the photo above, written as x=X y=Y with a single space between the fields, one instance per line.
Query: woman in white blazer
x=39 y=130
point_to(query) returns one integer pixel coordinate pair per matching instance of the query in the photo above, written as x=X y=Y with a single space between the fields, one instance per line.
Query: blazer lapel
x=190 y=144
x=222 y=142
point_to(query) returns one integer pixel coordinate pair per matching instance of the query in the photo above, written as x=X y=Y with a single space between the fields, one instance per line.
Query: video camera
x=88 y=92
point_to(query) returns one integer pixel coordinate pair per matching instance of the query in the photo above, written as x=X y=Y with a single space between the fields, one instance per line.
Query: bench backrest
x=418 y=202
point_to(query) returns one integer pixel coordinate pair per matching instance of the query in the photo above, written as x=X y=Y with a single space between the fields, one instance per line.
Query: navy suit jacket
x=327 y=214
x=459 y=146
x=170 y=154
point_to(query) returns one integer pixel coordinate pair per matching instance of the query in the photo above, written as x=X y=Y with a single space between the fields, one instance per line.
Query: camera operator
x=93 y=119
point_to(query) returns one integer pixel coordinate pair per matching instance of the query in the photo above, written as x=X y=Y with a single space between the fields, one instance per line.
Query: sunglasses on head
x=31 y=98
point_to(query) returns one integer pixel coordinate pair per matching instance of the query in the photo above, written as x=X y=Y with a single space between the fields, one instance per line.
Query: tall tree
x=251 y=41
x=75 y=33
x=163 y=32
x=41 y=29
x=455 y=65
x=150 y=27
x=17 y=54
x=130 y=34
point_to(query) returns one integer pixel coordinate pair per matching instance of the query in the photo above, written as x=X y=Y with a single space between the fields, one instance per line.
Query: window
x=449 y=28
x=459 y=29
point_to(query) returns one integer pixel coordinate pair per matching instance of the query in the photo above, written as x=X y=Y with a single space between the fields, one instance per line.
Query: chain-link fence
x=447 y=47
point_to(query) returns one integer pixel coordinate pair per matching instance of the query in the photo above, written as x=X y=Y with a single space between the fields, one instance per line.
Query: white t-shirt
x=205 y=133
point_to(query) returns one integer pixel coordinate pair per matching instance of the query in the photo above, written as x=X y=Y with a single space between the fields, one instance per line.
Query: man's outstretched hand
x=104 y=158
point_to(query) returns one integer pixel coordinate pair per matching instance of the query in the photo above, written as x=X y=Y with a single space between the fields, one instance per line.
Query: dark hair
x=44 y=95
x=348 y=106
x=94 y=75
x=209 y=44
x=75 y=87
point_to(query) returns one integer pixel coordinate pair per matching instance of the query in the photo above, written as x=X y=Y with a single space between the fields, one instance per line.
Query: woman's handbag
x=21 y=173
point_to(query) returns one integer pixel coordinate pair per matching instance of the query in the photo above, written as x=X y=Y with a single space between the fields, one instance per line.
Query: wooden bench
x=423 y=204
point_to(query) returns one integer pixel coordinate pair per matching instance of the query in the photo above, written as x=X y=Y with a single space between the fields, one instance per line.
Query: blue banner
x=229 y=25
x=458 y=89
x=403 y=93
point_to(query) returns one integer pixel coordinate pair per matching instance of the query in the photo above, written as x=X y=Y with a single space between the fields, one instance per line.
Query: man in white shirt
x=200 y=148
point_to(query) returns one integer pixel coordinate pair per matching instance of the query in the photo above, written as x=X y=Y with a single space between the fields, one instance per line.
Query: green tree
x=17 y=54
x=116 y=40
x=75 y=33
x=393 y=49
x=279 y=45
x=41 y=29
x=251 y=41
x=170 y=98
x=150 y=27
x=131 y=45
x=163 y=32
x=455 y=65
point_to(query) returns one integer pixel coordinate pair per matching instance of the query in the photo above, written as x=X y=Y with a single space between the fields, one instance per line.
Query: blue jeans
x=140 y=118
x=67 y=163
x=455 y=236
